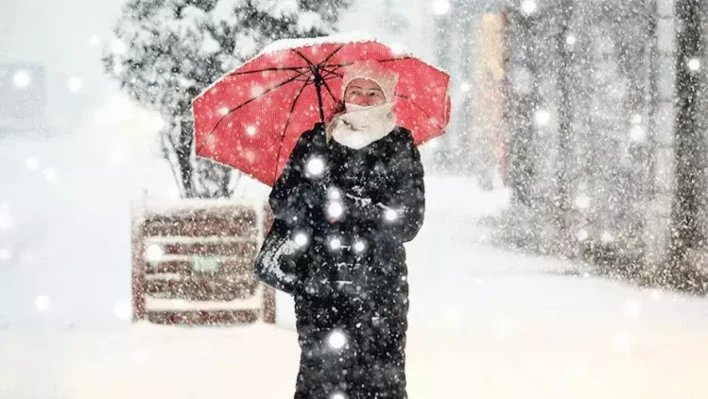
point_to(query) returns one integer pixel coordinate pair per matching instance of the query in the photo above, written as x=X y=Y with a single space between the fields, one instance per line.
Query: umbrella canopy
x=252 y=117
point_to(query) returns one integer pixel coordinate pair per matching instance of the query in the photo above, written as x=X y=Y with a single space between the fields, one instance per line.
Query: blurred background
x=567 y=196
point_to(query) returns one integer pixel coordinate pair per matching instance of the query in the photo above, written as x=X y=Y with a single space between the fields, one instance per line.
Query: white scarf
x=361 y=126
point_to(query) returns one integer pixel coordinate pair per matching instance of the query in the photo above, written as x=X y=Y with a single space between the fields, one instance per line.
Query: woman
x=350 y=195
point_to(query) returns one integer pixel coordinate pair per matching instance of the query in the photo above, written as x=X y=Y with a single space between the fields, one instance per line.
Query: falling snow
x=564 y=243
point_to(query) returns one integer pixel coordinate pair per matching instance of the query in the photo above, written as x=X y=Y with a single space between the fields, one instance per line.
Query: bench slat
x=201 y=289
x=184 y=267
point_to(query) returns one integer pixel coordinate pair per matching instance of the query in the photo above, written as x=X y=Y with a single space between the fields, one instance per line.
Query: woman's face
x=364 y=92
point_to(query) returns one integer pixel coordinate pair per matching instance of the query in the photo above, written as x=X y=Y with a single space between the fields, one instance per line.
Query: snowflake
x=337 y=339
x=391 y=215
x=359 y=246
x=301 y=239
x=42 y=302
x=335 y=209
x=22 y=79
x=316 y=166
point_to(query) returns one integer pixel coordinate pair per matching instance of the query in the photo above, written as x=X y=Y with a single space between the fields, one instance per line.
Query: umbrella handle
x=318 y=87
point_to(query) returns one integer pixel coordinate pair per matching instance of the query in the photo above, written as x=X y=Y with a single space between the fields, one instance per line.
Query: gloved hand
x=362 y=208
x=317 y=287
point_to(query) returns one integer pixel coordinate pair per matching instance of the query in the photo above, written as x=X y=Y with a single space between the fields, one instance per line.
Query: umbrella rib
x=323 y=61
x=397 y=59
x=404 y=58
x=295 y=69
x=322 y=65
x=332 y=55
x=290 y=114
x=337 y=66
x=281 y=84
x=331 y=72
x=421 y=109
x=303 y=57
x=285 y=129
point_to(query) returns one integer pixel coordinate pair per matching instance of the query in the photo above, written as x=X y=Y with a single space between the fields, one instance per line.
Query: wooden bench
x=193 y=263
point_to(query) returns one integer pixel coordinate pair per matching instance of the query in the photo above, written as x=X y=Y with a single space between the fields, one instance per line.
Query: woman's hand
x=319 y=287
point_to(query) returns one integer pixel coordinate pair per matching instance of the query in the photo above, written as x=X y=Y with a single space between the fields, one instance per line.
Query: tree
x=168 y=51
x=443 y=156
x=563 y=175
x=577 y=144
x=523 y=100
x=686 y=227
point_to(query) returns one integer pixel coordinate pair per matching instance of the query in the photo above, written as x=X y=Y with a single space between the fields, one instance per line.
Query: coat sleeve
x=401 y=209
x=290 y=193
x=276 y=262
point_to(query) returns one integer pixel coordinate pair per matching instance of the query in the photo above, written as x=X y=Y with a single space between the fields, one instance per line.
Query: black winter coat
x=347 y=213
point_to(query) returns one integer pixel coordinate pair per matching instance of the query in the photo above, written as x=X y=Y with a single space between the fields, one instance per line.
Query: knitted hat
x=371 y=70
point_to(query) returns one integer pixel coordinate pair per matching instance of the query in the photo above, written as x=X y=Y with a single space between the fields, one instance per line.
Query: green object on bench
x=209 y=264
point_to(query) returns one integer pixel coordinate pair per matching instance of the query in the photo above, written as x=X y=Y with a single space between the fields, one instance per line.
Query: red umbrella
x=252 y=117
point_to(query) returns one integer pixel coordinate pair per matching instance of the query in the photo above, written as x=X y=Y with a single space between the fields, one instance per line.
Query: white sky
x=57 y=34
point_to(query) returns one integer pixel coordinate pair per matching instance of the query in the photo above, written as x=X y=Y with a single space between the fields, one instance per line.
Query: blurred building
x=488 y=133
x=590 y=113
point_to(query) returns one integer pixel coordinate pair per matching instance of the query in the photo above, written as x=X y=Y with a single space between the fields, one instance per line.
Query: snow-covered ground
x=261 y=362
x=484 y=322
